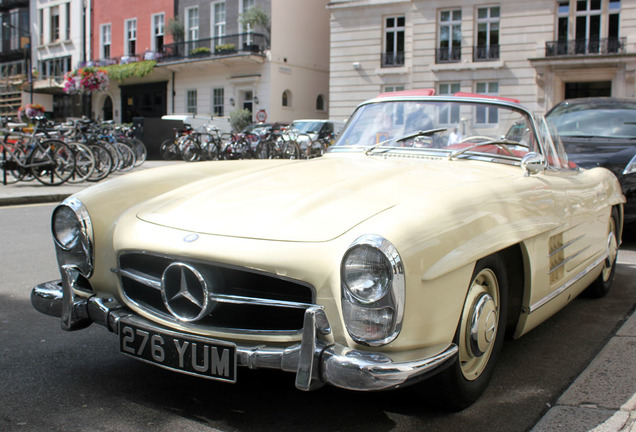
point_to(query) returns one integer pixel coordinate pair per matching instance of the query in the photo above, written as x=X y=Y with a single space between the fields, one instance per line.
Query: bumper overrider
x=315 y=362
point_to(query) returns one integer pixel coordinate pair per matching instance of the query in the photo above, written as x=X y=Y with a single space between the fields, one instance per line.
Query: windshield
x=613 y=121
x=439 y=124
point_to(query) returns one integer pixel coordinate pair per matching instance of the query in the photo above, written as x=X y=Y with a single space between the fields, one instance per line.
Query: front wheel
x=479 y=335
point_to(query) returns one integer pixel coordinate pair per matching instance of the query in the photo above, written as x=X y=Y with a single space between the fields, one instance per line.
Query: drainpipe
x=173 y=92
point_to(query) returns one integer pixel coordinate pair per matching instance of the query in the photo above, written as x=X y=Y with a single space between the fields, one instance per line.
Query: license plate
x=187 y=354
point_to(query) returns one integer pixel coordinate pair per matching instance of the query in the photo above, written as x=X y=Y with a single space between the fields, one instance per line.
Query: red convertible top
x=476 y=95
x=431 y=92
x=415 y=92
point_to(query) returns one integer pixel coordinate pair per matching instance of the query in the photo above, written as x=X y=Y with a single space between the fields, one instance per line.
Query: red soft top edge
x=415 y=92
x=477 y=95
x=431 y=92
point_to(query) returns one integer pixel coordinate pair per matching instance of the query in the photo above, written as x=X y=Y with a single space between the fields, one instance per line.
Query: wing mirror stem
x=533 y=163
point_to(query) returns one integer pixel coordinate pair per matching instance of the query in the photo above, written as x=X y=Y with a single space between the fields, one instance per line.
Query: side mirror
x=533 y=163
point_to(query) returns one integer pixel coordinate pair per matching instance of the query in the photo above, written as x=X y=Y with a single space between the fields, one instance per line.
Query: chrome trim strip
x=234 y=299
x=139 y=277
x=570 y=243
x=568 y=259
x=155 y=283
x=567 y=285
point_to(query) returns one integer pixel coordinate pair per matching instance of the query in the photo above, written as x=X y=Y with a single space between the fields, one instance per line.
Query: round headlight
x=66 y=227
x=366 y=273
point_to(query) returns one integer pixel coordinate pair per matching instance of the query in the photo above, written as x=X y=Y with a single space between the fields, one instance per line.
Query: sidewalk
x=601 y=399
x=33 y=192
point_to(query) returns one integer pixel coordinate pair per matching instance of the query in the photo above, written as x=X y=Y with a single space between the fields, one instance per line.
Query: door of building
x=588 y=89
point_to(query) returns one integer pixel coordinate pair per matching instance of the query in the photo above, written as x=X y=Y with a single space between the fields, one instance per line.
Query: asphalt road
x=77 y=381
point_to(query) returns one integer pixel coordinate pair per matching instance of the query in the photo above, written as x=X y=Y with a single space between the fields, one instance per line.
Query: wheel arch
x=515 y=262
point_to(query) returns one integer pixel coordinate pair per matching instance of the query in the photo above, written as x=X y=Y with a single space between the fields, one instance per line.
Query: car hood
x=314 y=200
x=589 y=152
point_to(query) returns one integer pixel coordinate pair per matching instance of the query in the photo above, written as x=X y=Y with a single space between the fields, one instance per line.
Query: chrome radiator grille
x=238 y=299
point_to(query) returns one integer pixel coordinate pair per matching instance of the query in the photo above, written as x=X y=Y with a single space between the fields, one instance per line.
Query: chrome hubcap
x=480 y=320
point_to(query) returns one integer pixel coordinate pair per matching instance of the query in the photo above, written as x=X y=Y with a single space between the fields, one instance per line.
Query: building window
x=67 y=27
x=15 y=30
x=613 y=43
x=55 y=68
x=286 y=99
x=487 y=116
x=587 y=27
x=105 y=38
x=191 y=102
x=158 y=32
x=248 y=4
x=450 y=36
x=55 y=24
x=218 y=102
x=393 y=42
x=131 y=37
x=449 y=116
x=218 y=22
x=487 y=34
x=393 y=88
x=41 y=25
x=192 y=23
x=320 y=103
x=596 y=28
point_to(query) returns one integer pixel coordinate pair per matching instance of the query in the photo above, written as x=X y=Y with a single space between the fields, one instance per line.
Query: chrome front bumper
x=314 y=362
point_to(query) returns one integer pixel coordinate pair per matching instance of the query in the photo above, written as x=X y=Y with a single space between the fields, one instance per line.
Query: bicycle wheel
x=84 y=162
x=103 y=163
x=169 y=150
x=141 y=152
x=126 y=155
x=265 y=150
x=190 y=150
x=114 y=153
x=290 y=150
x=52 y=162
x=10 y=160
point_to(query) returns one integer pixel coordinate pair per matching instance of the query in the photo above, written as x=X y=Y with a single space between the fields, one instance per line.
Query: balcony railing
x=393 y=59
x=448 y=55
x=201 y=48
x=585 y=47
x=485 y=53
x=217 y=46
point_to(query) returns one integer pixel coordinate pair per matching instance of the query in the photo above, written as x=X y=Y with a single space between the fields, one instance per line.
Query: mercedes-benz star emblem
x=185 y=292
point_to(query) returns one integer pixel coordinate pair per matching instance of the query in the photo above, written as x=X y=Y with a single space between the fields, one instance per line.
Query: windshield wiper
x=420 y=133
x=503 y=144
x=411 y=135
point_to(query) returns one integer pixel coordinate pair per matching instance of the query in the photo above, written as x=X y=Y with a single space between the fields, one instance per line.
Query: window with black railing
x=450 y=36
x=487 y=47
x=585 y=47
x=485 y=53
x=393 y=55
x=448 y=54
x=242 y=43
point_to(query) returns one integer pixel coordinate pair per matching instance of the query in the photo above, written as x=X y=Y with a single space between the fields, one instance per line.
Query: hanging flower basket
x=86 y=80
x=29 y=111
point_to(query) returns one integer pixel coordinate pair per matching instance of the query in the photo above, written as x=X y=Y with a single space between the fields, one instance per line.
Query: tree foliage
x=240 y=118
x=140 y=69
x=256 y=18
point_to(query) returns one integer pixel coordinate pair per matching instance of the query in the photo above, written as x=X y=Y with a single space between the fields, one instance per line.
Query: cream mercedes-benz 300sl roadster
x=434 y=227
